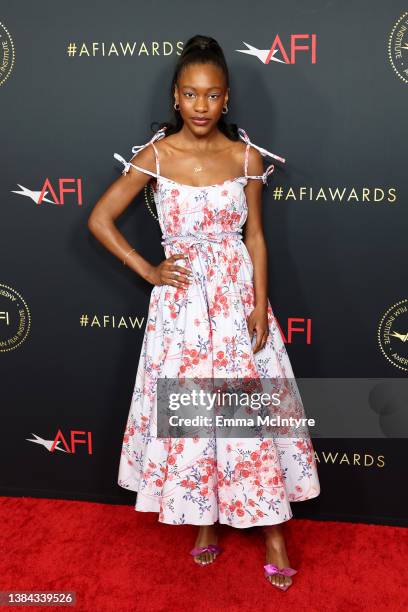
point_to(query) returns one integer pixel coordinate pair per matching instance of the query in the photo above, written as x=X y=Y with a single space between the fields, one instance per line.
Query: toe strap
x=213 y=548
x=271 y=569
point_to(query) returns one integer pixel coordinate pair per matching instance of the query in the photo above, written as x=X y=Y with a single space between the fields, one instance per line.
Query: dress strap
x=137 y=148
x=157 y=159
x=244 y=136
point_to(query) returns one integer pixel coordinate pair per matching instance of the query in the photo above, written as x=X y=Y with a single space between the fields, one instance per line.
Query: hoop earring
x=176 y=105
x=225 y=111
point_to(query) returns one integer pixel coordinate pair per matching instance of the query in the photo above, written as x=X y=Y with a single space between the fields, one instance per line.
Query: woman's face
x=201 y=92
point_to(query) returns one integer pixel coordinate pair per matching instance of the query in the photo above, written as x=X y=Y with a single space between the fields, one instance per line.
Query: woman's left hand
x=258 y=322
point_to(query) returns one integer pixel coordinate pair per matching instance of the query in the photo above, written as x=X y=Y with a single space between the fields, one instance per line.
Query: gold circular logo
x=6 y=53
x=398 y=47
x=393 y=335
x=15 y=319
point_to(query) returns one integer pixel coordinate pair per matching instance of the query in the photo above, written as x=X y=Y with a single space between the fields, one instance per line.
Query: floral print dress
x=201 y=331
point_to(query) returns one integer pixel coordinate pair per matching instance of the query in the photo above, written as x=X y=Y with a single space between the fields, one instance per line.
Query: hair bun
x=202 y=43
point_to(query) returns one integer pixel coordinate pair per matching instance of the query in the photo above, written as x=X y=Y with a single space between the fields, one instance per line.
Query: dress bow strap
x=159 y=134
x=262 y=151
x=244 y=136
x=137 y=148
x=124 y=162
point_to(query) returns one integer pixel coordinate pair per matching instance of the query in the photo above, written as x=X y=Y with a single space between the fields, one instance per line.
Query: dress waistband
x=198 y=237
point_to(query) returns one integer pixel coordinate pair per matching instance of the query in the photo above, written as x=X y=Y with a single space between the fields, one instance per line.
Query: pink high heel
x=271 y=569
x=212 y=548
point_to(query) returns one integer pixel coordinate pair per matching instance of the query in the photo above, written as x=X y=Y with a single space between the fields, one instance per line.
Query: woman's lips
x=200 y=121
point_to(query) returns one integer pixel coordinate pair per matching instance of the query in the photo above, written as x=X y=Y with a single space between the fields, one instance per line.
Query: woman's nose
x=201 y=106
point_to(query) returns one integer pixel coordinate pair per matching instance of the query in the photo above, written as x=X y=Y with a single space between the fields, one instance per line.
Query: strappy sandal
x=212 y=548
x=271 y=569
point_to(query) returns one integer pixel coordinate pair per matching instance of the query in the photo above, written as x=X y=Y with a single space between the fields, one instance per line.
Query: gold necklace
x=197 y=169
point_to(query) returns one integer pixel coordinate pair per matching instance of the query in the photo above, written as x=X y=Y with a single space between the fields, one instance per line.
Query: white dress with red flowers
x=201 y=331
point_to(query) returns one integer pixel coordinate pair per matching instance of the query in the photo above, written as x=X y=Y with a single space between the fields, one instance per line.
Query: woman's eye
x=213 y=96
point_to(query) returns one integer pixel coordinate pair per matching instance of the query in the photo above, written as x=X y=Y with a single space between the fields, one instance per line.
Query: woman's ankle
x=207 y=528
x=207 y=532
x=275 y=538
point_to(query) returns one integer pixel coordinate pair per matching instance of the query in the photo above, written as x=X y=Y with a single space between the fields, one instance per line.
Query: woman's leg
x=276 y=552
x=207 y=534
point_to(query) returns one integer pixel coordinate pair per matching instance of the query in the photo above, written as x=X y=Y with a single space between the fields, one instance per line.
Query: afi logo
x=62 y=190
x=76 y=437
x=74 y=441
x=57 y=193
x=288 y=54
x=305 y=328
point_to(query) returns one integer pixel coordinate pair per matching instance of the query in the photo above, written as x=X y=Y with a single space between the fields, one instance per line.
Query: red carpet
x=121 y=560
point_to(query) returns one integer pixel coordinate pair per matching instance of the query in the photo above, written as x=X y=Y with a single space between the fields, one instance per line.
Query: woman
x=209 y=316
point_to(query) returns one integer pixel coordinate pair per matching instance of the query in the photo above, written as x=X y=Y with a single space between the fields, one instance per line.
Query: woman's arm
x=111 y=205
x=254 y=236
x=255 y=243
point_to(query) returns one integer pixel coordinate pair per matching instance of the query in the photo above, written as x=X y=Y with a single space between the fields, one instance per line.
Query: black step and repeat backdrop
x=322 y=83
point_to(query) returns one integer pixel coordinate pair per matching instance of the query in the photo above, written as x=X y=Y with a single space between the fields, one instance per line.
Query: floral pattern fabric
x=201 y=331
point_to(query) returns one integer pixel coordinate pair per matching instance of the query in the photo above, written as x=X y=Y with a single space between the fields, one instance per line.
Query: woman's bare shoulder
x=239 y=150
x=167 y=146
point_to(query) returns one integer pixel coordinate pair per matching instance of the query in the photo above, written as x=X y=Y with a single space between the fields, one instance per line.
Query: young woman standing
x=209 y=316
